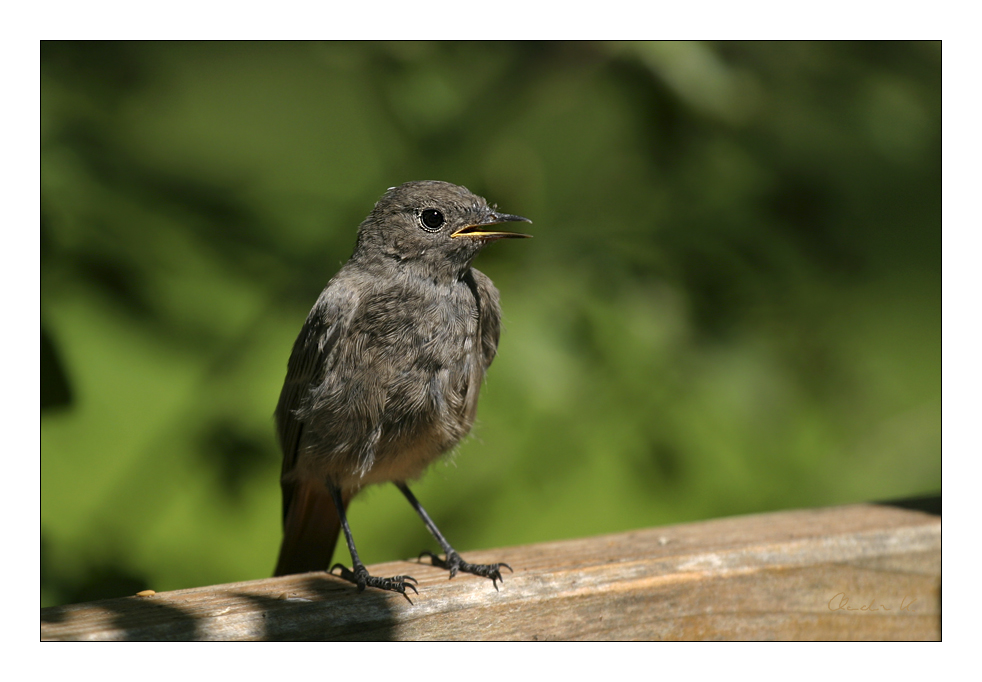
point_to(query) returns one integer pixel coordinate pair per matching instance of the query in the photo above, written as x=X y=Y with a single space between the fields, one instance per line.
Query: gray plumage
x=385 y=375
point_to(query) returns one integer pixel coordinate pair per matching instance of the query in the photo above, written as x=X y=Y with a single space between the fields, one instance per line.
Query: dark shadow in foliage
x=104 y=580
x=664 y=126
x=56 y=389
x=121 y=282
x=801 y=206
x=929 y=504
x=664 y=462
x=234 y=453
x=110 y=70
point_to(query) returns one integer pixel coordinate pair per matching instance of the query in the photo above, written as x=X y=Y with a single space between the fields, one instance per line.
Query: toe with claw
x=454 y=563
x=360 y=577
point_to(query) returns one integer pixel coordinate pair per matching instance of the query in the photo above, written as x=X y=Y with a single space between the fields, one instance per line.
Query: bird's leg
x=452 y=562
x=358 y=573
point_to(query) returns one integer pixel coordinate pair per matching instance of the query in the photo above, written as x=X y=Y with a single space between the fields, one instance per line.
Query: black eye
x=432 y=219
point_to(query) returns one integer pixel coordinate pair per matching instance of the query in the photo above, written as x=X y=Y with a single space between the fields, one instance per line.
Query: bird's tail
x=310 y=528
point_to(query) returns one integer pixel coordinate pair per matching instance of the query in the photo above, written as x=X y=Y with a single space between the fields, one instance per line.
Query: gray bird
x=385 y=374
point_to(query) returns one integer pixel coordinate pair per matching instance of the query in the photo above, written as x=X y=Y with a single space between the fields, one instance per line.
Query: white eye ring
x=431 y=219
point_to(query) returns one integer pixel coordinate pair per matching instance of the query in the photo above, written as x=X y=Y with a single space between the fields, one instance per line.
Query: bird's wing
x=489 y=315
x=310 y=520
x=309 y=361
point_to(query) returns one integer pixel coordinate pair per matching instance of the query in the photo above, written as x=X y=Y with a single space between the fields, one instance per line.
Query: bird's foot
x=454 y=563
x=360 y=577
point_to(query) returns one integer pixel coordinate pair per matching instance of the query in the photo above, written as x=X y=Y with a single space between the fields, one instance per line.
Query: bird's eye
x=432 y=219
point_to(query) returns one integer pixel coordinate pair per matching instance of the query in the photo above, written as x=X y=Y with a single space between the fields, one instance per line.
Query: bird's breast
x=402 y=383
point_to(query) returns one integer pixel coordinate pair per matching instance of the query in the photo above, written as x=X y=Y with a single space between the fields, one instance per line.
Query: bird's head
x=437 y=225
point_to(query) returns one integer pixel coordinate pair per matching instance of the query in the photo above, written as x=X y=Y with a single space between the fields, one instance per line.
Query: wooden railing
x=861 y=572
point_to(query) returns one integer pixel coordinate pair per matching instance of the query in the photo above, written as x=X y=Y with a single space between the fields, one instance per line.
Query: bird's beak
x=481 y=231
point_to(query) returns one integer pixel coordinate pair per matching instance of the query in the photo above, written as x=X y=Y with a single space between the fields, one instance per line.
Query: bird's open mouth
x=486 y=232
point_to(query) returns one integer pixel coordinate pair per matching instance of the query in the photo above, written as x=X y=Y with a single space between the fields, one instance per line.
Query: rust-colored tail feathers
x=310 y=529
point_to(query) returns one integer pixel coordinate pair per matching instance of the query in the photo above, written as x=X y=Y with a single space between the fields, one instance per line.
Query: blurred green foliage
x=732 y=302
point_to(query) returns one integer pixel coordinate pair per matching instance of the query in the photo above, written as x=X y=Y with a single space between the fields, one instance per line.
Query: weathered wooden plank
x=862 y=572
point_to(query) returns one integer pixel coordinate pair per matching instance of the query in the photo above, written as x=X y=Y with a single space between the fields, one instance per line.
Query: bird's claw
x=454 y=563
x=360 y=577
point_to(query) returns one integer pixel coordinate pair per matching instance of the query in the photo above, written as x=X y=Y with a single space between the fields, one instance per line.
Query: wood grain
x=861 y=572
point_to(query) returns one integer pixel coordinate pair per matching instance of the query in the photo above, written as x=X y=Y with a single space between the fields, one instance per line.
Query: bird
x=384 y=377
